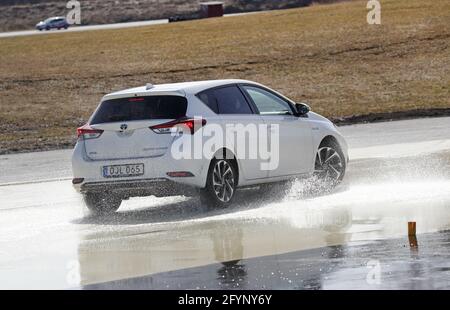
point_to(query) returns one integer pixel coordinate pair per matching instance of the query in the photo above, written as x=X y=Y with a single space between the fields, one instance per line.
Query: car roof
x=55 y=17
x=180 y=89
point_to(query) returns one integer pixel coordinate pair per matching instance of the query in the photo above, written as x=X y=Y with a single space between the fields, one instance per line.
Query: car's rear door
x=125 y=123
x=240 y=126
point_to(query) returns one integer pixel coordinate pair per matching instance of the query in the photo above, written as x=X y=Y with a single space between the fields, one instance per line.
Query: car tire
x=221 y=184
x=101 y=204
x=47 y=28
x=330 y=166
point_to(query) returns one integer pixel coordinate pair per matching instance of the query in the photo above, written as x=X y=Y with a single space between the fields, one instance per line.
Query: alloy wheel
x=329 y=164
x=223 y=181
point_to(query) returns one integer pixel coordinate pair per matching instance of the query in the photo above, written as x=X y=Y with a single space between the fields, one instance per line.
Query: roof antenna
x=149 y=86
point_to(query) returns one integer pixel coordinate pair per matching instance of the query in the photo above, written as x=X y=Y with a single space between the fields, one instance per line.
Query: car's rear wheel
x=47 y=28
x=221 y=184
x=102 y=203
x=330 y=166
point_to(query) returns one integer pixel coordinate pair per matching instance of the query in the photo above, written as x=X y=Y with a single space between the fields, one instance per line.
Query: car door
x=294 y=145
x=51 y=23
x=240 y=124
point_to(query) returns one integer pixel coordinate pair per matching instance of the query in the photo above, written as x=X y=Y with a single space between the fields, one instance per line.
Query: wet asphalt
x=404 y=264
x=355 y=237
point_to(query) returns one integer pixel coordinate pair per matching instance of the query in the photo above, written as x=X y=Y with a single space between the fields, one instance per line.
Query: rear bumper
x=137 y=188
x=155 y=181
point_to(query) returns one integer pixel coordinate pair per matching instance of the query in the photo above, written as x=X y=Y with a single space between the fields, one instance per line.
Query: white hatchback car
x=131 y=144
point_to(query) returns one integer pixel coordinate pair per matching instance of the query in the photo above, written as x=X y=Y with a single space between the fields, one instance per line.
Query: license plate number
x=123 y=171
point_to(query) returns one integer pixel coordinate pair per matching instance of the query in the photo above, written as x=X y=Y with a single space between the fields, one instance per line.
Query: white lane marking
x=399 y=149
x=34 y=181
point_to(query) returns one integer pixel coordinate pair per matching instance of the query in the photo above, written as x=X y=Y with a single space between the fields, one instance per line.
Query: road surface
x=399 y=172
x=83 y=28
x=96 y=27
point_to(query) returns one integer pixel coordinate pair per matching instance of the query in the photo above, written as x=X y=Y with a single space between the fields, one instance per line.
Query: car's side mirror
x=302 y=109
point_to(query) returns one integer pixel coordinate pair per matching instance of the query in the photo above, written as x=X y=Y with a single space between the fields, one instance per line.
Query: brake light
x=136 y=99
x=191 y=124
x=87 y=132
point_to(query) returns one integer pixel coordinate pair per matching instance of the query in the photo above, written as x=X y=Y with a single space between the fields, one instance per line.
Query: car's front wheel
x=221 y=184
x=102 y=203
x=330 y=166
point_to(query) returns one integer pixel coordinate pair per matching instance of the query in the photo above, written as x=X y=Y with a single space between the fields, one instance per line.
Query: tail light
x=86 y=132
x=191 y=124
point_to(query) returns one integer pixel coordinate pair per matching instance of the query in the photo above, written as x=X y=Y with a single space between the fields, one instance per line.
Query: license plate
x=123 y=171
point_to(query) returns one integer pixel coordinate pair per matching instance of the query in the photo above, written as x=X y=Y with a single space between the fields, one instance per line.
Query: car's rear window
x=140 y=108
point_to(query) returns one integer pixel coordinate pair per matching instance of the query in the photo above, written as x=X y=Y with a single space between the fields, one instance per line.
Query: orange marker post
x=411 y=228
x=412 y=235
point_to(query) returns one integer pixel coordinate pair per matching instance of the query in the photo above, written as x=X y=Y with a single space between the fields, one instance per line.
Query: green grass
x=326 y=55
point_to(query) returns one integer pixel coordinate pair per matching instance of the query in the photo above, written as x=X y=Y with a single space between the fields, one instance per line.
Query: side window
x=266 y=102
x=226 y=100
x=231 y=101
x=209 y=99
